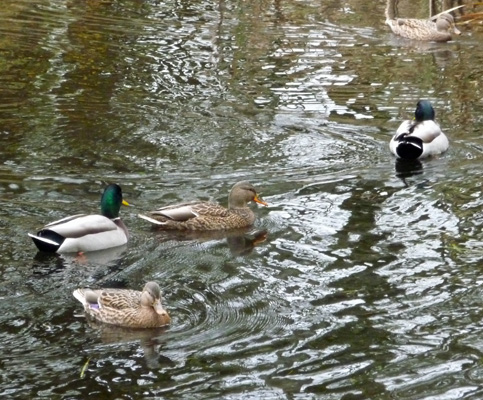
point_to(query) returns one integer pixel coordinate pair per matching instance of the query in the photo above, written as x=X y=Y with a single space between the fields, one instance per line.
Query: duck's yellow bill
x=260 y=201
x=125 y=203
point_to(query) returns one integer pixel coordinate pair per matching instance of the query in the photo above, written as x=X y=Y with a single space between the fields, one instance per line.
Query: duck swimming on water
x=206 y=216
x=84 y=233
x=440 y=30
x=125 y=307
x=421 y=137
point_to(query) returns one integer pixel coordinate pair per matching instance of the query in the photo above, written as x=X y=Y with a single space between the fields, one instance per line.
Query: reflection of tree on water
x=428 y=8
x=365 y=249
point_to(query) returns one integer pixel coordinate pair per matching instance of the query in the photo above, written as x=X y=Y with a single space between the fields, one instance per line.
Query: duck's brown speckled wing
x=211 y=209
x=119 y=299
x=418 y=29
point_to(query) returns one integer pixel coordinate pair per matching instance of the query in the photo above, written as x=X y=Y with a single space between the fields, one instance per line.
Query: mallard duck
x=424 y=29
x=421 y=29
x=83 y=233
x=124 y=307
x=421 y=137
x=205 y=216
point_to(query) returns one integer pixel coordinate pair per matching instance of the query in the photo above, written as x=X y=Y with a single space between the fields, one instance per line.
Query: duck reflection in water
x=241 y=242
x=70 y=267
x=150 y=341
x=242 y=245
x=408 y=168
x=101 y=257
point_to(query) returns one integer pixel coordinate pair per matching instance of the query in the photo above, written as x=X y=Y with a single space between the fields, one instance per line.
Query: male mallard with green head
x=421 y=137
x=124 y=307
x=84 y=233
x=205 y=216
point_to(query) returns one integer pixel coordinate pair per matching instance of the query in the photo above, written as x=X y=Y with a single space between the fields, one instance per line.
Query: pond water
x=367 y=285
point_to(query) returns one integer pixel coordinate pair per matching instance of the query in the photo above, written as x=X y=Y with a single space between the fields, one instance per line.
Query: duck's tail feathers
x=88 y=298
x=45 y=244
x=152 y=220
x=79 y=295
x=410 y=148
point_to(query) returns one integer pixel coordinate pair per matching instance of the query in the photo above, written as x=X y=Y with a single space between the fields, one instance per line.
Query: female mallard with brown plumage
x=206 y=216
x=124 y=307
x=421 y=29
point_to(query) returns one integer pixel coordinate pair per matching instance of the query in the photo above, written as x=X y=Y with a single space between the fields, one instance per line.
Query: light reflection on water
x=365 y=280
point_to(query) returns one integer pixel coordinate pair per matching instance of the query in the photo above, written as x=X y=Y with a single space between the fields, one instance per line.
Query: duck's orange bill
x=259 y=201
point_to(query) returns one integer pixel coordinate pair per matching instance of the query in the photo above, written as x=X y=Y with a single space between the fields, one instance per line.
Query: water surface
x=368 y=282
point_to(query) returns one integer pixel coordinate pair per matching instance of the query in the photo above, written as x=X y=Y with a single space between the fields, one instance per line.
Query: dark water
x=368 y=285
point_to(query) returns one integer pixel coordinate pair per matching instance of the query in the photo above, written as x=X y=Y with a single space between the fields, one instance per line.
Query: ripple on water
x=211 y=317
x=367 y=283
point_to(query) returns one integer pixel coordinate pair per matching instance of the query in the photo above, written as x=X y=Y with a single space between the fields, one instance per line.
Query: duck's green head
x=111 y=201
x=424 y=111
